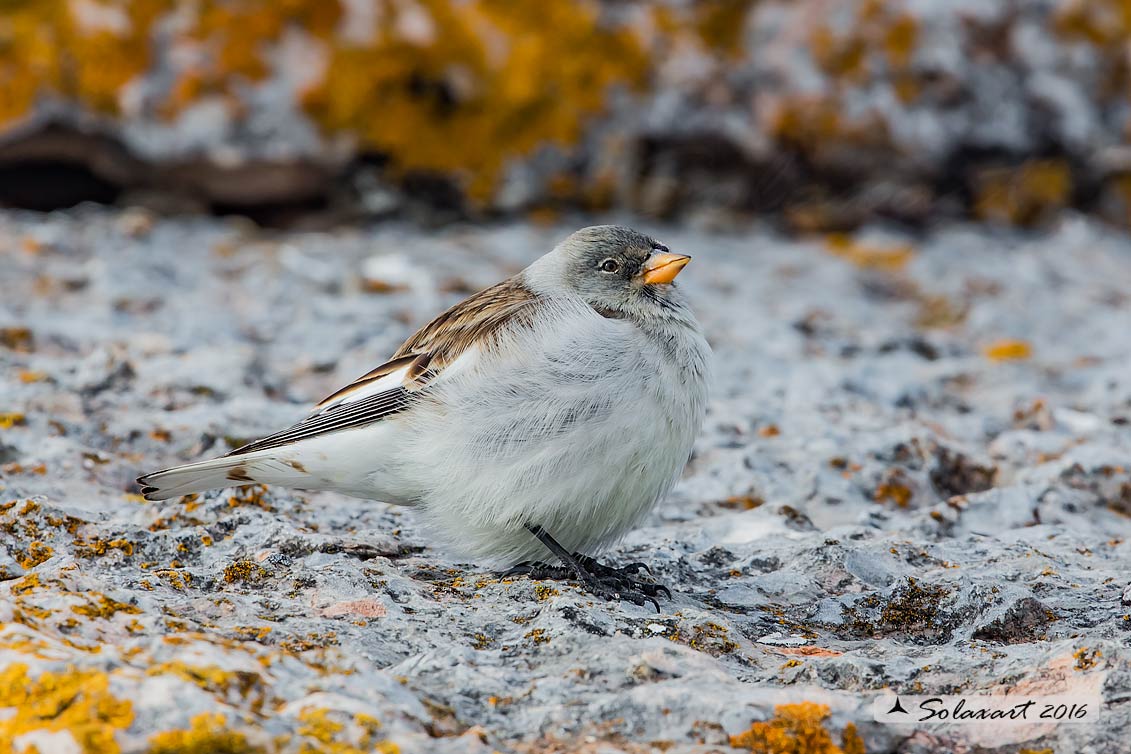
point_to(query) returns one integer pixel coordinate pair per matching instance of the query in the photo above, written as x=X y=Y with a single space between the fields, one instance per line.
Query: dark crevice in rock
x=45 y=185
x=58 y=166
x=273 y=214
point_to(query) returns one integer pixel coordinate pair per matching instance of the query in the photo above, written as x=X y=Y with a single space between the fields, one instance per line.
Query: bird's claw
x=602 y=581
x=634 y=592
x=595 y=566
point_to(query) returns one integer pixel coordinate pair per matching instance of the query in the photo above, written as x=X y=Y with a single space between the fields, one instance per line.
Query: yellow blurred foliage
x=457 y=88
x=81 y=49
x=483 y=81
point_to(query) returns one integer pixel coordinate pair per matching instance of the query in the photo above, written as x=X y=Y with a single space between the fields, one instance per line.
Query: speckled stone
x=878 y=500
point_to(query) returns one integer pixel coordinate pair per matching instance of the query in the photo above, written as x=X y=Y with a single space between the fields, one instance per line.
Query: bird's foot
x=600 y=580
x=614 y=584
x=595 y=566
x=536 y=571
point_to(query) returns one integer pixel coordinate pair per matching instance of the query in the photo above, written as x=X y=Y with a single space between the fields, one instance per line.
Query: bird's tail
x=227 y=471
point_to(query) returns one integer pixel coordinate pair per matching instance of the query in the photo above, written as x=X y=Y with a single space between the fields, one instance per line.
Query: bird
x=531 y=425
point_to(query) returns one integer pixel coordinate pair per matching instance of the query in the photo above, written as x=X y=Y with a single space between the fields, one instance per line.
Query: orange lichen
x=1100 y=22
x=78 y=702
x=208 y=734
x=709 y=637
x=538 y=635
x=720 y=24
x=1022 y=195
x=746 y=502
x=1008 y=350
x=179 y=580
x=798 y=729
x=253 y=494
x=354 y=735
x=894 y=488
x=475 y=84
x=9 y=419
x=244 y=571
x=439 y=86
x=869 y=255
x=101 y=606
x=545 y=591
x=880 y=38
x=225 y=684
x=318 y=725
x=19 y=468
x=1086 y=659
x=900 y=36
x=27 y=584
x=63 y=48
x=17 y=338
x=810 y=123
x=253 y=633
x=37 y=553
x=98 y=547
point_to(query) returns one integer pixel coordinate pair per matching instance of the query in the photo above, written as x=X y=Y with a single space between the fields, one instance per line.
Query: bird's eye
x=609 y=265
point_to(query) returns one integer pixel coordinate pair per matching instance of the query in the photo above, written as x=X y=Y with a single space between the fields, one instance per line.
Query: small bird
x=542 y=417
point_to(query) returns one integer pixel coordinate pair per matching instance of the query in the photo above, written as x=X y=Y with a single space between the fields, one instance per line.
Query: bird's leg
x=569 y=561
x=533 y=569
x=602 y=580
x=625 y=573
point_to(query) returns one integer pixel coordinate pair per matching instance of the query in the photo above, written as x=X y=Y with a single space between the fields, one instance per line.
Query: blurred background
x=821 y=114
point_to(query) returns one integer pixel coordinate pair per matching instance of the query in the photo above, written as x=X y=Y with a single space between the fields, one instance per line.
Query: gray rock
x=873 y=505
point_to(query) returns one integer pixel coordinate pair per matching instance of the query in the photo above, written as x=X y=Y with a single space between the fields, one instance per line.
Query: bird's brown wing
x=476 y=319
x=473 y=320
x=389 y=388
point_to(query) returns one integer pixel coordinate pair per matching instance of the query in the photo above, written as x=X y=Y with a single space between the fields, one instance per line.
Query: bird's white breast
x=579 y=425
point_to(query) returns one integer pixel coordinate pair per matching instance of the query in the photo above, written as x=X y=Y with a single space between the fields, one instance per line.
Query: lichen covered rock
x=830 y=111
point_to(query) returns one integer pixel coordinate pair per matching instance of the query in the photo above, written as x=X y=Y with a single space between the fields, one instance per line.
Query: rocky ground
x=915 y=476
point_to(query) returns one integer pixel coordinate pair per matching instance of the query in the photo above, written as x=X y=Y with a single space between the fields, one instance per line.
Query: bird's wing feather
x=439 y=343
x=391 y=387
x=344 y=416
x=409 y=372
x=473 y=321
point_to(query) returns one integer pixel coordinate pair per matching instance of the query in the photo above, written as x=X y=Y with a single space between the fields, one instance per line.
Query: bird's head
x=619 y=271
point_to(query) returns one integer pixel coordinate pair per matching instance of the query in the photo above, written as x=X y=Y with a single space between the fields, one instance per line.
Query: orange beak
x=663 y=267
